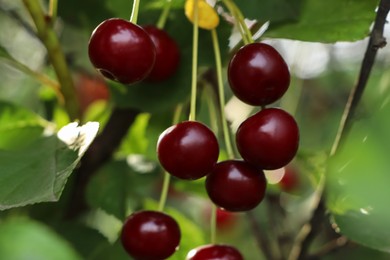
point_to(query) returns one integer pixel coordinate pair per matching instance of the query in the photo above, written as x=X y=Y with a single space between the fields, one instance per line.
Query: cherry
x=188 y=150
x=225 y=220
x=214 y=252
x=258 y=75
x=269 y=139
x=236 y=185
x=167 y=54
x=290 y=180
x=121 y=51
x=150 y=235
x=90 y=88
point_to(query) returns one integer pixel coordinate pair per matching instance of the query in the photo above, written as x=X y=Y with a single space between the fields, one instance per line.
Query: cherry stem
x=221 y=94
x=210 y=97
x=195 y=40
x=226 y=133
x=42 y=78
x=167 y=176
x=56 y=56
x=53 y=6
x=246 y=34
x=213 y=224
x=164 y=191
x=164 y=14
x=134 y=12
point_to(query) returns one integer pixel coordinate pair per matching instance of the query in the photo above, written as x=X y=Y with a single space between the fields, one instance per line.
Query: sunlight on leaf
x=357 y=185
x=39 y=171
x=78 y=137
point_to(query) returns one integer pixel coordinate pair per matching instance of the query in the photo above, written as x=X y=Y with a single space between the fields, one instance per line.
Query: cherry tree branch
x=50 y=40
x=376 y=41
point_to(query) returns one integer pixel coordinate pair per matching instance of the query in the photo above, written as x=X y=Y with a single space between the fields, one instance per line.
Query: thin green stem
x=213 y=224
x=53 y=6
x=210 y=97
x=246 y=35
x=134 y=12
x=167 y=176
x=164 y=191
x=56 y=56
x=42 y=78
x=221 y=94
x=195 y=39
x=241 y=19
x=164 y=14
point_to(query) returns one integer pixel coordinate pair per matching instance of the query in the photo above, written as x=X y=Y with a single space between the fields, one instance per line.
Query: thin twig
x=376 y=41
x=307 y=233
x=330 y=247
x=56 y=56
x=262 y=240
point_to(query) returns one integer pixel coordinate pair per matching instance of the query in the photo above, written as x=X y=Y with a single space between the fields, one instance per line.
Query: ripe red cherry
x=236 y=185
x=290 y=180
x=167 y=54
x=188 y=150
x=214 y=252
x=150 y=235
x=258 y=75
x=121 y=51
x=226 y=220
x=89 y=89
x=269 y=139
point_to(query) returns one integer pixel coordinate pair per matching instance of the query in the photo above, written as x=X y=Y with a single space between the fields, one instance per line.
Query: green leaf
x=39 y=171
x=328 y=21
x=87 y=13
x=84 y=239
x=18 y=126
x=276 y=11
x=121 y=185
x=22 y=239
x=357 y=184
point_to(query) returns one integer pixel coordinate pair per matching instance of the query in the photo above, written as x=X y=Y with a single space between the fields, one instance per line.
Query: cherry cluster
x=258 y=75
x=128 y=53
x=268 y=140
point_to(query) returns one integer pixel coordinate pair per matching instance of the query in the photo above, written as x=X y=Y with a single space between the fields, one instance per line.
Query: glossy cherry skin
x=150 y=235
x=188 y=150
x=236 y=185
x=121 y=51
x=269 y=139
x=258 y=75
x=167 y=54
x=214 y=252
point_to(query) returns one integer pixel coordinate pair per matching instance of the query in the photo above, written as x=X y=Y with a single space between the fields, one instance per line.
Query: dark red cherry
x=236 y=185
x=225 y=220
x=188 y=150
x=214 y=252
x=258 y=75
x=167 y=54
x=290 y=181
x=269 y=139
x=121 y=51
x=150 y=235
